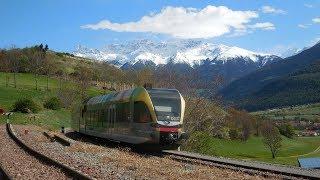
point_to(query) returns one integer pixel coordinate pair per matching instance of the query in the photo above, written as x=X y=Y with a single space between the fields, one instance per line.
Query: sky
x=271 y=26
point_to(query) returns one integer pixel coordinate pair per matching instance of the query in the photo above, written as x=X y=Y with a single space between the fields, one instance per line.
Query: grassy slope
x=254 y=149
x=310 y=112
x=25 y=88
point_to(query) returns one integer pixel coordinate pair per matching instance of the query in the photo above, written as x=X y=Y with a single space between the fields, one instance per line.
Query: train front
x=169 y=107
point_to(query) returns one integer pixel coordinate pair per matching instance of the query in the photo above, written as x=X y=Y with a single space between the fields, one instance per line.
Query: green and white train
x=135 y=116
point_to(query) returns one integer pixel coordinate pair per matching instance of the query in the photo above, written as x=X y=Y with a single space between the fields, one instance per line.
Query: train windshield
x=167 y=104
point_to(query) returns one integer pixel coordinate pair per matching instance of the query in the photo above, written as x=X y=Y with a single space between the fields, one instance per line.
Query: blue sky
x=264 y=26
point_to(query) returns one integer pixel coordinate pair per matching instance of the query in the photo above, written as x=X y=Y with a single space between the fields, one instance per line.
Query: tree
x=5 y=65
x=13 y=57
x=46 y=48
x=83 y=74
x=49 y=65
x=37 y=62
x=271 y=138
x=240 y=124
x=287 y=130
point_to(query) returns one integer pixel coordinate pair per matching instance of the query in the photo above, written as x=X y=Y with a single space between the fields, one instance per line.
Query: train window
x=105 y=118
x=123 y=112
x=102 y=117
x=114 y=114
x=141 y=113
x=83 y=111
x=109 y=116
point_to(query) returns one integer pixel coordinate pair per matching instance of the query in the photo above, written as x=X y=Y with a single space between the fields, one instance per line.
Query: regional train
x=139 y=116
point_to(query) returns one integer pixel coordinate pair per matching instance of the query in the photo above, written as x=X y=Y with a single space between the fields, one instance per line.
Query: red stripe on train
x=168 y=129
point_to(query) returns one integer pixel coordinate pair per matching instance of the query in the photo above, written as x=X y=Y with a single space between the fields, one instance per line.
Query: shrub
x=234 y=134
x=53 y=103
x=26 y=106
x=287 y=130
x=199 y=142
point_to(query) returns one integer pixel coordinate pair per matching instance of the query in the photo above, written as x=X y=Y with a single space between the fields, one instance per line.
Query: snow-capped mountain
x=181 y=51
x=290 y=52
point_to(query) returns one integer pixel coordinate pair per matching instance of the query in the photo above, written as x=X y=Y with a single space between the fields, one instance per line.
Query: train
x=141 y=116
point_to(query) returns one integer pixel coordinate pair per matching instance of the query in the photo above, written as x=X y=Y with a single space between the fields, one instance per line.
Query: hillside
x=292 y=81
x=308 y=112
x=52 y=119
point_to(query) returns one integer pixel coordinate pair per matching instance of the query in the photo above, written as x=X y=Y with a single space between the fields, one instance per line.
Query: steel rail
x=4 y=174
x=262 y=167
x=43 y=158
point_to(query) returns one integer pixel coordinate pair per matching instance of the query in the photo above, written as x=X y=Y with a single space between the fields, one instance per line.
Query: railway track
x=4 y=174
x=253 y=168
x=267 y=170
x=28 y=163
x=249 y=167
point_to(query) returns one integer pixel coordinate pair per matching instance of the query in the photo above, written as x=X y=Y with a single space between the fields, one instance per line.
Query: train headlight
x=173 y=136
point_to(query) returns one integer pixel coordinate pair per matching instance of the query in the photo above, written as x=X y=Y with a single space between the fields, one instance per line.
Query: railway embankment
x=104 y=162
x=18 y=164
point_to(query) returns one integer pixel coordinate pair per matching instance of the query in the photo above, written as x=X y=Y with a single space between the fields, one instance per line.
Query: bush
x=199 y=142
x=26 y=106
x=287 y=130
x=53 y=103
x=234 y=134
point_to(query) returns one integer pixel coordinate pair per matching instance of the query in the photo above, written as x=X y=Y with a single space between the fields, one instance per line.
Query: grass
x=50 y=119
x=26 y=89
x=303 y=112
x=254 y=149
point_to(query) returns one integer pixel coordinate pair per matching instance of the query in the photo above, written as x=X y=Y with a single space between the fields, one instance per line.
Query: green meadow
x=254 y=149
x=26 y=88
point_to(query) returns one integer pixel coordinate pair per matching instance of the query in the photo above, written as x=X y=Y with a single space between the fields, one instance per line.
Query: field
x=254 y=149
x=26 y=89
x=303 y=112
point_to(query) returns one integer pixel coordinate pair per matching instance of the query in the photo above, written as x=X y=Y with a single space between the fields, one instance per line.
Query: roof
x=312 y=163
x=118 y=96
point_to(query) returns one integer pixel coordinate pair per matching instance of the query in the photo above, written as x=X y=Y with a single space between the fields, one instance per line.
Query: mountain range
x=211 y=59
x=253 y=81
x=290 y=81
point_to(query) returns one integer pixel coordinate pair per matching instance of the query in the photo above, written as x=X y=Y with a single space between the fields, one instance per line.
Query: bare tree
x=5 y=66
x=271 y=138
x=37 y=62
x=83 y=75
x=240 y=124
x=13 y=57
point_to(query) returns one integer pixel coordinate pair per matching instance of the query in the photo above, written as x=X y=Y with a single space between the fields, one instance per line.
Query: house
x=309 y=163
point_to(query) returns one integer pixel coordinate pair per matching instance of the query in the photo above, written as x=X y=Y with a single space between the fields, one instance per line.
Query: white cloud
x=316 y=20
x=263 y=26
x=309 y=5
x=303 y=26
x=183 y=22
x=272 y=10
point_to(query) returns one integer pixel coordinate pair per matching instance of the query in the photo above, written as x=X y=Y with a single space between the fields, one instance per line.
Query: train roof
x=127 y=94
x=117 y=96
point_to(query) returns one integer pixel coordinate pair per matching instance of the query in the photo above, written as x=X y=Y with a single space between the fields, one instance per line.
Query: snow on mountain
x=290 y=52
x=179 y=51
x=146 y=56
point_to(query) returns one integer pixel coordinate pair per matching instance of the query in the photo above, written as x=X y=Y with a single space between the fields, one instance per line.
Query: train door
x=109 y=120
x=142 y=119
x=114 y=117
x=82 y=122
x=105 y=122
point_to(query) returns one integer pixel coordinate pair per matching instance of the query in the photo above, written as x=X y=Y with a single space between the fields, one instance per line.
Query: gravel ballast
x=21 y=165
x=102 y=162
